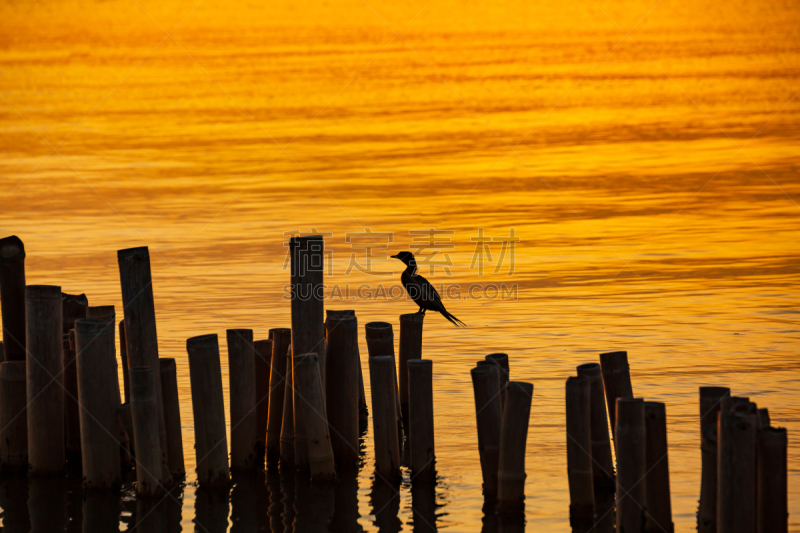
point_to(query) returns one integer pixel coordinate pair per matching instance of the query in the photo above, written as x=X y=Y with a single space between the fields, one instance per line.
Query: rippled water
x=645 y=153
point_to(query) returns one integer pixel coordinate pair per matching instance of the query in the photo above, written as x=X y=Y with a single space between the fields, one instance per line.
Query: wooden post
x=342 y=390
x=616 y=380
x=140 y=327
x=300 y=437
x=123 y=355
x=144 y=409
x=311 y=402
x=244 y=416
x=125 y=441
x=579 y=451
x=631 y=461
x=513 y=439
x=102 y=312
x=505 y=373
x=172 y=417
x=363 y=411
x=100 y=511
x=384 y=416
x=380 y=341
x=98 y=394
x=287 y=424
x=263 y=359
x=657 y=491
x=711 y=399
x=410 y=348
x=13 y=418
x=763 y=418
x=72 y=416
x=43 y=369
x=2 y=353
x=602 y=461
x=208 y=406
x=772 y=504
x=420 y=418
x=489 y=416
x=73 y=307
x=736 y=471
x=12 y=297
x=281 y=340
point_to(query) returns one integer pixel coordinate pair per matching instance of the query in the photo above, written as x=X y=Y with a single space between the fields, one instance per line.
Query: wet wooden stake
x=12 y=297
x=489 y=417
x=616 y=381
x=420 y=418
x=98 y=394
x=140 y=327
x=602 y=461
x=384 y=416
x=72 y=416
x=505 y=372
x=657 y=491
x=172 y=417
x=513 y=439
x=736 y=472
x=579 y=451
x=287 y=425
x=263 y=360
x=244 y=416
x=631 y=461
x=772 y=504
x=410 y=348
x=363 y=411
x=123 y=355
x=710 y=404
x=144 y=410
x=43 y=369
x=13 y=418
x=380 y=341
x=208 y=406
x=281 y=340
x=308 y=383
x=342 y=391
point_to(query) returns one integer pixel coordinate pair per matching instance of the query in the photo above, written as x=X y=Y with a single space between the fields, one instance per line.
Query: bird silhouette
x=421 y=290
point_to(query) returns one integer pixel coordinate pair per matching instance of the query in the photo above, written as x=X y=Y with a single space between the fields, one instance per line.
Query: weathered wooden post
x=420 y=418
x=287 y=425
x=123 y=356
x=616 y=380
x=763 y=418
x=380 y=341
x=342 y=390
x=656 y=484
x=12 y=297
x=43 y=369
x=311 y=403
x=102 y=312
x=710 y=405
x=72 y=416
x=513 y=439
x=631 y=461
x=579 y=451
x=505 y=372
x=140 y=327
x=281 y=341
x=244 y=416
x=98 y=394
x=73 y=307
x=736 y=472
x=208 y=406
x=489 y=417
x=410 y=348
x=602 y=461
x=384 y=416
x=172 y=417
x=263 y=358
x=13 y=417
x=2 y=353
x=772 y=504
x=363 y=411
x=144 y=409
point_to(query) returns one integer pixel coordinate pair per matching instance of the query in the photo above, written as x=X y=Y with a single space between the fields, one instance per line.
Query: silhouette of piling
x=384 y=416
x=123 y=356
x=342 y=390
x=489 y=417
x=420 y=420
x=736 y=472
x=140 y=327
x=263 y=360
x=287 y=425
x=380 y=341
x=772 y=505
x=602 y=461
x=126 y=425
x=311 y=404
x=13 y=417
x=12 y=297
x=410 y=348
x=98 y=393
x=72 y=417
x=505 y=372
x=657 y=491
x=101 y=312
x=616 y=381
x=513 y=438
x=172 y=417
x=579 y=451
x=363 y=411
x=281 y=340
x=710 y=404
x=2 y=353
x=763 y=418
x=144 y=410
x=631 y=461
x=244 y=416
x=73 y=307
x=211 y=442
x=45 y=395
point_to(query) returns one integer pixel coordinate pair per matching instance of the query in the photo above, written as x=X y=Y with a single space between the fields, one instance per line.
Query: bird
x=421 y=290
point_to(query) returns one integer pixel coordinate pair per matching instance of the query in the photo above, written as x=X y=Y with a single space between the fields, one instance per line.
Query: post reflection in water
x=13 y=501
x=423 y=504
x=101 y=511
x=287 y=488
x=46 y=504
x=385 y=501
x=211 y=510
x=275 y=513
x=345 y=512
x=249 y=501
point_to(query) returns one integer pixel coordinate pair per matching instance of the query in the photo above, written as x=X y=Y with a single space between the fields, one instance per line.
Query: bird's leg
x=423 y=312
x=420 y=311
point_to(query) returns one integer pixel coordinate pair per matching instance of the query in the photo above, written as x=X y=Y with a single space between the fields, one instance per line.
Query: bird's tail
x=453 y=320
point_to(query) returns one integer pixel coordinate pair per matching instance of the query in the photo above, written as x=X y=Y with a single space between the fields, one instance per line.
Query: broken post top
x=92 y=327
x=11 y=249
x=614 y=362
x=167 y=363
x=143 y=384
x=13 y=371
x=140 y=253
x=577 y=381
x=501 y=359
x=485 y=367
x=589 y=370
x=201 y=343
x=101 y=311
x=43 y=292
x=519 y=387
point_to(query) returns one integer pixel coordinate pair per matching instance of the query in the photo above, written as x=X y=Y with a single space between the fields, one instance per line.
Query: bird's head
x=406 y=257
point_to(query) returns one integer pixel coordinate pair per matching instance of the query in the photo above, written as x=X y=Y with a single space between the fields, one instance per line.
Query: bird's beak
x=394 y=257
